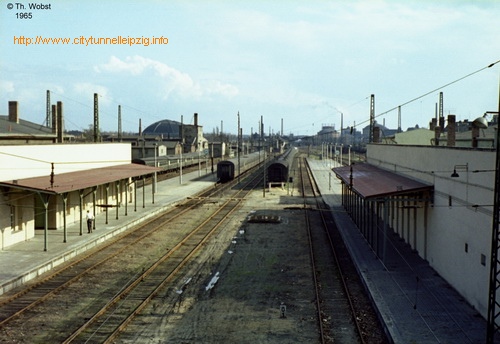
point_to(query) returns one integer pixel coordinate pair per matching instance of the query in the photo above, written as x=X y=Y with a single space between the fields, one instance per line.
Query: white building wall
x=16 y=218
x=26 y=161
x=459 y=223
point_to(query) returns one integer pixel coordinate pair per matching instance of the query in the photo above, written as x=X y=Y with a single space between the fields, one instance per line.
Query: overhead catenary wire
x=434 y=90
x=66 y=162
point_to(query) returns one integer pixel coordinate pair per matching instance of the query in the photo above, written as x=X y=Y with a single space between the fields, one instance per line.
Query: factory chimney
x=451 y=131
x=13 y=111
x=60 y=122
x=433 y=124
x=54 y=119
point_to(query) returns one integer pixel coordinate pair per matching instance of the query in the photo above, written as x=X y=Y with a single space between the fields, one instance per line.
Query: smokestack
x=195 y=119
x=60 y=122
x=140 y=126
x=13 y=111
x=54 y=119
x=451 y=131
x=433 y=124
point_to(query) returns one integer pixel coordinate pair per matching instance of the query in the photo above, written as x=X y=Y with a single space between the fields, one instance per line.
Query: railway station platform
x=414 y=302
x=24 y=261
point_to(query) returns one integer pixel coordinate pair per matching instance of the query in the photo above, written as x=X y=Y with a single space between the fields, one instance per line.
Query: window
x=16 y=218
x=466 y=247
x=483 y=259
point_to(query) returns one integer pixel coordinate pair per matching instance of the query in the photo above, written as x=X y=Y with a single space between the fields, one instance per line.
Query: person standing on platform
x=90 y=221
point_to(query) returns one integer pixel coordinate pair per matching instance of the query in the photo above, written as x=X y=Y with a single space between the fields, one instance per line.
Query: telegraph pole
x=238 y=147
x=372 y=118
x=264 y=152
x=96 y=118
x=120 y=124
x=48 y=120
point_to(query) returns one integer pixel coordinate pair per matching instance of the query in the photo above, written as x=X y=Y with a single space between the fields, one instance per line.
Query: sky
x=295 y=64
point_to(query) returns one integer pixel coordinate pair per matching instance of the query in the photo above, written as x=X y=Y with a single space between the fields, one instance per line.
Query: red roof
x=372 y=182
x=71 y=181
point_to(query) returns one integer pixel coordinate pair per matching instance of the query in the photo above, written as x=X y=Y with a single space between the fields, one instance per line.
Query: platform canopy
x=370 y=182
x=79 y=180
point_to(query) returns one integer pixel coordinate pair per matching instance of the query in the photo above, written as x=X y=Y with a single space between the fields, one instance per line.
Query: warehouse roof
x=72 y=181
x=369 y=181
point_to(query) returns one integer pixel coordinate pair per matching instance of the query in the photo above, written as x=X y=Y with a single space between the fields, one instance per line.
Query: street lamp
x=341 y=149
x=156 y=165
x=460 y=168
x=349 y=155
x=199 y=159
x=180 y=164
x=335 y=152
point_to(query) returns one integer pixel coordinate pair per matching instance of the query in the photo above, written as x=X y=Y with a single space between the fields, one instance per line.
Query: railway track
x=24 y=303
x=13 y=305
x=344 y=312
x=160 y=270
x=120 y=311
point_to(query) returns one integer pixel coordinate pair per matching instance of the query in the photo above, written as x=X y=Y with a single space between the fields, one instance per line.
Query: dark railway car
x=229 y=169
x=225 y=171
x=278 y=170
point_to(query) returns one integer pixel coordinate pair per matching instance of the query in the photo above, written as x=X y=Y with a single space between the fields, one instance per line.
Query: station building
x=46 y=187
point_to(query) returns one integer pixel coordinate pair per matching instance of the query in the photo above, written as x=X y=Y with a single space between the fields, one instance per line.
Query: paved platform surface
x=423 y=310
x=416 y=304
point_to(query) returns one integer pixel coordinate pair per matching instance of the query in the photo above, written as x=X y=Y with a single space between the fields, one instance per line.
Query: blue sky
x=301 y=61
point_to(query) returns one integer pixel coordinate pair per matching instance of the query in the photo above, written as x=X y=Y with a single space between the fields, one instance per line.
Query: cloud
x=6 y=86
x=171 y=80
x=87 y=88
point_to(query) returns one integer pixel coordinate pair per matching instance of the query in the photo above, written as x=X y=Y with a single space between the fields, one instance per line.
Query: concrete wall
x=25 y=161
x=457 y=240
x=415 y=137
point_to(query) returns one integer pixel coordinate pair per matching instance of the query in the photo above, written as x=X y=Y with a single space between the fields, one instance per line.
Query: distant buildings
x=15 y=130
